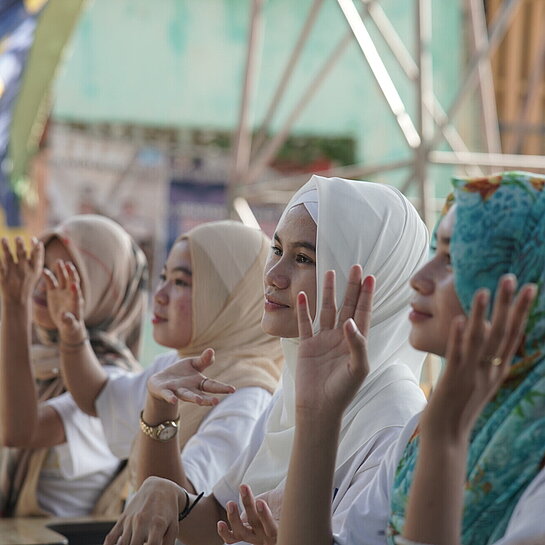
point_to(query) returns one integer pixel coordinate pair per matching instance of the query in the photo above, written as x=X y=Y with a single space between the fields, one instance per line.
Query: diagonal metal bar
x=273 y=146
x=534 y=85
x=286 y=75
x=486 y=81
x=243 y=141
x=499 y=27
x=380 y=72
x=499 y=160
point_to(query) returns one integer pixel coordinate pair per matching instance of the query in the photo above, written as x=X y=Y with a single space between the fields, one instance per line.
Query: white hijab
x=376 y=226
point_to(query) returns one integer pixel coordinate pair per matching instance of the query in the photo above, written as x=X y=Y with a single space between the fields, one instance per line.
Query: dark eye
x=276 y=250
x=302 y=258
x=162 y=277
x=180 y=282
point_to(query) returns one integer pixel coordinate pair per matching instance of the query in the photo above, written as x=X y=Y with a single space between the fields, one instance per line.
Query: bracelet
x=188 y=508
x=79 y=344
x=400 y=540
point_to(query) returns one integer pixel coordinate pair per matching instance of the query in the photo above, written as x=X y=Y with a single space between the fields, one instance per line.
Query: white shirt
x=76 y=472
x=221 y=437
x=367 y=519
x=348 y=480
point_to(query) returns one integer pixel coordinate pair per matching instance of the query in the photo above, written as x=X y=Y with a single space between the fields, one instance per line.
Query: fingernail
x=259 y=506
x=231 y=507
x=301 y=298
x=243 y=491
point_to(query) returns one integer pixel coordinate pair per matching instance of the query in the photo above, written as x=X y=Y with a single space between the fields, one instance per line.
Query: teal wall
x=181 y=62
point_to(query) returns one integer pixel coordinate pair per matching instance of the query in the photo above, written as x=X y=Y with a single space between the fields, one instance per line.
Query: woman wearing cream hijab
x=60 y=463
x=209 y=295
x=329 y=224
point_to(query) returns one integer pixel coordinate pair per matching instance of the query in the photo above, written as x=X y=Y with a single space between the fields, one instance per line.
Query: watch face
x=168 y=432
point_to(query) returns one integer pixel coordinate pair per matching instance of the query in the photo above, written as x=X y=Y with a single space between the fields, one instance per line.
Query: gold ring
x=201 y=385
x=496 y=361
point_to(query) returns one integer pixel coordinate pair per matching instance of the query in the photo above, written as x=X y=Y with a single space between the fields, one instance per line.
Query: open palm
x=332 y=363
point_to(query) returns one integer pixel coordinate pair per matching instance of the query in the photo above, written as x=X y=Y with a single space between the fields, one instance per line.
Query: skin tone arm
x=331 y=366
x=434 y=511
x=82 y=372
x=182 y=381
x=24 y=422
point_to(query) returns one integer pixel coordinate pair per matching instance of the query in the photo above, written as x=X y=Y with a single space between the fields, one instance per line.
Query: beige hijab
x=113 y=272
x=227 y=260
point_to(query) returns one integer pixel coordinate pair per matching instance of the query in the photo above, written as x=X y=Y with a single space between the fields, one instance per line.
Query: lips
x=40 y=301
x=418 y=314
x=158 y=319
x=271 y=304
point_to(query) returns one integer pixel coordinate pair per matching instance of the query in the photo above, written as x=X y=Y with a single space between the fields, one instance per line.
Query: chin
x=277 y=328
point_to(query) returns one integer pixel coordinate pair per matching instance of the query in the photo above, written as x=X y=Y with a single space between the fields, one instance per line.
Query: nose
x=161 y=295
x=422 y=281
x=275 y=275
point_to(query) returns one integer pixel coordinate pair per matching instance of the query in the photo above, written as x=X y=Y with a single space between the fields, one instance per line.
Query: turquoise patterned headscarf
x=499 y=228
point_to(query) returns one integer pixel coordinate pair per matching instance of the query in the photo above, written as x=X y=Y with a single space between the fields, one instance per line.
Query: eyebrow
x=298 y=244
x=179 y=269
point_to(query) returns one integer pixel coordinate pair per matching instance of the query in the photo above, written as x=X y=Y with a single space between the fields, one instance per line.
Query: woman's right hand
x=18 y=278
x=332 y=364
x=184 y=381
x=151 y=516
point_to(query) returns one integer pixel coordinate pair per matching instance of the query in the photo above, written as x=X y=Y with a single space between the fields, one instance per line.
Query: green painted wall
x=181 y=62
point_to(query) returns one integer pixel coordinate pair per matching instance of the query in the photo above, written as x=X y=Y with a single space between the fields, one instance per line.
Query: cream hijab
x=227 y=261
x=376 y=226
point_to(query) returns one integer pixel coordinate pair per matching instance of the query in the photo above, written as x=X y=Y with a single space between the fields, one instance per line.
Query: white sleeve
x=119 y=404
x=222 y=436
x=527 y=524
x=84 y=434
x=226 y=489
x=365 y=522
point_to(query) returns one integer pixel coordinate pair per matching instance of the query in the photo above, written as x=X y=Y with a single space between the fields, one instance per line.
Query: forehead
x=180 y=254
x=297 y=225
x=55 y=250
x=446 y=226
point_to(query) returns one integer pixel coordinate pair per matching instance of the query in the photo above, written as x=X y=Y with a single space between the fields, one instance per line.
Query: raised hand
x=18 y=278
x=184 y=381
x=479 y=356
x=332 y=363
x=257 y=525
x=65 y=301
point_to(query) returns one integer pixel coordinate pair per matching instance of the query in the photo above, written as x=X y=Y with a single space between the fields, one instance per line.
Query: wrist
x=158 y=410
x=75 y=335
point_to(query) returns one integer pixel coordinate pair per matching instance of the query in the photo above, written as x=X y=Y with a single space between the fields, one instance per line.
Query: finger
x=50 y=280
x=20 y=250
x=270 y=528
x=239 y=530
x=204 y=360
x=69 y=319
x=517 y=321
x=352 y=293
x=168 y=395
x=329 y=306
x=216 y=387
x=358 y=363
x=364 y=306
x=225 y=533
x=8 y=257
x=154 y=533
x=475 y=339
x=454 y=343
x=500 y=314
x=37 y=254
x=116 y=532
x=252 y=517
x=191 y=397
x=304 y=322
x=62 y=275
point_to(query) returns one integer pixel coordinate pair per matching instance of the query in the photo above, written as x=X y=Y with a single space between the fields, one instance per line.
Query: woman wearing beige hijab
x=210 y=295
x=59 y=462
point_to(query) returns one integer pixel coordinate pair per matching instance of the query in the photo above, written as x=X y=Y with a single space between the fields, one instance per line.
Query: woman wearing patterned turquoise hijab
x=473 y=461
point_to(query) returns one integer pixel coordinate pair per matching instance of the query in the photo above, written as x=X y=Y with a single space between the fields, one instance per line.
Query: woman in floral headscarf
x=488 y=408
x=59 y=462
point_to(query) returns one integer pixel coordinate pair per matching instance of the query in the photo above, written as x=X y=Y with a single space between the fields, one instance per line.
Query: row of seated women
x=345 y=299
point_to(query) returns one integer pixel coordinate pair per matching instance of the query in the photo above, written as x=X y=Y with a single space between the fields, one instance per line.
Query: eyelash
x=299 y=258
x=177 y=281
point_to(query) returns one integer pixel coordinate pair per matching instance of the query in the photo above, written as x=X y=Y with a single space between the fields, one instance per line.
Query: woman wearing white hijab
x=352 y=222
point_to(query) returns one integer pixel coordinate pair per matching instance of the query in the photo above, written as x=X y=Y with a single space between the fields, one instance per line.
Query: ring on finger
x=495 y=361
x=201 y=385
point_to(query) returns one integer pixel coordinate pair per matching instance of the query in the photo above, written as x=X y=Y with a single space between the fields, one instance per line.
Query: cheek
x=182 y=308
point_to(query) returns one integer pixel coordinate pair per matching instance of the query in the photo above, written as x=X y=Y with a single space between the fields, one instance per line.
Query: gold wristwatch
x=161 y=432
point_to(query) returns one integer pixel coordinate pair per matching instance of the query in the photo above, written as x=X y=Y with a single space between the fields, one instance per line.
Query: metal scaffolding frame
x=434 y=124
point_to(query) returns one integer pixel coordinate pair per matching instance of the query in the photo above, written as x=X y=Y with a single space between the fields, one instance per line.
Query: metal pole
x=486 y=81
x=284 y=80
x=425 y=121
x=499 y=160
x=380 y=72
x=243 y=141
x=500 y=25
x=271 y=148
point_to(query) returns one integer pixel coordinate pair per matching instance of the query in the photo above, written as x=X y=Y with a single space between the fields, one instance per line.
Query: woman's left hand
x=257 y=525
x=479 y=356
x=184 y=381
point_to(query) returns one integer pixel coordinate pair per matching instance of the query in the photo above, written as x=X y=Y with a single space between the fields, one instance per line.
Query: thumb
x=206 y=359
x=357 y=344
x=69 y=319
